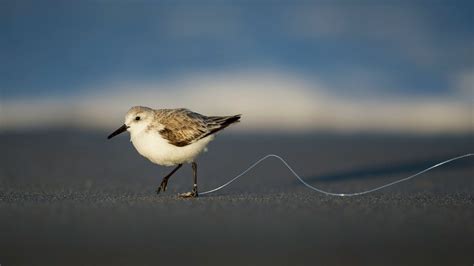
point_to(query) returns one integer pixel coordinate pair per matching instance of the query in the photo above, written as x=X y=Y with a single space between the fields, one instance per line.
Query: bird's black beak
x=118 y=131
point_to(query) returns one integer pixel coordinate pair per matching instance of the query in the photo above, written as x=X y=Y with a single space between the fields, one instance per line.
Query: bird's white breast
x=157 y=149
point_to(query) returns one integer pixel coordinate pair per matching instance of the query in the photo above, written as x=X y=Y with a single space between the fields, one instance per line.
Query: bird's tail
x=218 y=123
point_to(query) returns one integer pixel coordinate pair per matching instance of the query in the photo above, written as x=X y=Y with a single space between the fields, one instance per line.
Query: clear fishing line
x=301 y=180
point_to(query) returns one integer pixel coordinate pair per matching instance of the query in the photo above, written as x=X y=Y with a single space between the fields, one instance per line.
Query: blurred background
x=353 y=94
x=287 y=66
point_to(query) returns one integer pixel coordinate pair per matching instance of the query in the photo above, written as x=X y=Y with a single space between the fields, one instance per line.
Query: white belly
x=159 y=151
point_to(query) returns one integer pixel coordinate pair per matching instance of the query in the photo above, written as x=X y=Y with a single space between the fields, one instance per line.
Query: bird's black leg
x=194 y=192
x=195 y=185
x=164 y=182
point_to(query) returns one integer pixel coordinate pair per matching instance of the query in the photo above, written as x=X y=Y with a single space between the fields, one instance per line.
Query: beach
x=74 y=198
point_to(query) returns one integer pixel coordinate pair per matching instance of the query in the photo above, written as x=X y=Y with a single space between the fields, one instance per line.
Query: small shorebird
x=172 y=137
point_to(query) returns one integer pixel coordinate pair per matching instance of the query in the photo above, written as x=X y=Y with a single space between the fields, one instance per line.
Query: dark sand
x=77 y=199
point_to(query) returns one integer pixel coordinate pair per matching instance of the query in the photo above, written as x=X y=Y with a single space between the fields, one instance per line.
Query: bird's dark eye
x=137 y=118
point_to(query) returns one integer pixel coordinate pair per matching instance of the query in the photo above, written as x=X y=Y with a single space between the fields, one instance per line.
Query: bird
x=172 y=137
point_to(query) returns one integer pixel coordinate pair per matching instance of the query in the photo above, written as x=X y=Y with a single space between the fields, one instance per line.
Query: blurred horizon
x=339 y=66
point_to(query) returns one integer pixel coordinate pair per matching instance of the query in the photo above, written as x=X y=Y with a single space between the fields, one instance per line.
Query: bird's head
x=137 y=119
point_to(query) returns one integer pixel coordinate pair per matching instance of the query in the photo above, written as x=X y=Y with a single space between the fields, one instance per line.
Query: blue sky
x=357 y=49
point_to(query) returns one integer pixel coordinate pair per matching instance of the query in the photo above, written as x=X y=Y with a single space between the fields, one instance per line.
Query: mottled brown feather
x=183 y=127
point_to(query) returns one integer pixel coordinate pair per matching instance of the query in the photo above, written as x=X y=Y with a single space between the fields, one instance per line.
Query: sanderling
x=172 y=137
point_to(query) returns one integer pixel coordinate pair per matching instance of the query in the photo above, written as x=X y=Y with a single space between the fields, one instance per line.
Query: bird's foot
x=192 y=194
x=188 y=195
x=162 y=186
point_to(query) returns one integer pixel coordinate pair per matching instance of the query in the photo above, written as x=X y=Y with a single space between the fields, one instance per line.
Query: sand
x=74 y=198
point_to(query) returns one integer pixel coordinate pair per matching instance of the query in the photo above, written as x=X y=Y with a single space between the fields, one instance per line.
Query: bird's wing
x=182 y=127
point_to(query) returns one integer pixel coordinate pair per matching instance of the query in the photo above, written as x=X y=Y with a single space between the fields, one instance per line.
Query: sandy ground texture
x=74 y=198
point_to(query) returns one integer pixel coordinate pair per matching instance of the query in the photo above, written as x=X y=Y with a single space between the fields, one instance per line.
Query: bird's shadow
x=387 y=169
